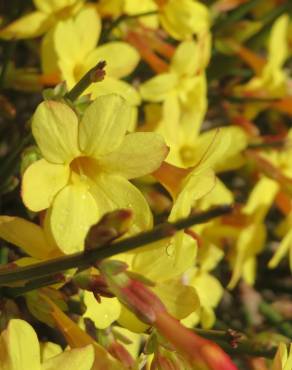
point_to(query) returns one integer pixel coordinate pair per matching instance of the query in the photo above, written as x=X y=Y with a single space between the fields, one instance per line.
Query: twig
x=87 y=258
x=95 y=74
x=123 y=18
x=274 y=317
x=236 y=343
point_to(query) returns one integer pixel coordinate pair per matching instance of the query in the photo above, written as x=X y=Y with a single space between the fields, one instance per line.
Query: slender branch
x=95 y=74
x=123 y=18
x=8 y=53
x=271 y=144
x=236 y=343
x=8 y=167
x=275 y=318
x=87 y=258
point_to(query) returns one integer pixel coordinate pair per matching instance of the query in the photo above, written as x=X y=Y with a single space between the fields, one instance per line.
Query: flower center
x=188 y=155
x=84 y=169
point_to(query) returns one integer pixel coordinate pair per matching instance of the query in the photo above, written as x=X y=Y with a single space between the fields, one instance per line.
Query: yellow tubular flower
x=20 y=349
x=133 y=7
x=209 y=289
x=74 y=49
x=36 y=241
x=182 y=90
x=272 y=81
x=86 y=167
x=283 y=359
x=183 y=18
x=252 y=238
x=47 y=15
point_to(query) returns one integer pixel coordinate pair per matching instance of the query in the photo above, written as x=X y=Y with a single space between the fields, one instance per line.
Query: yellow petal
x=121 y=58
x=139 y=154
x=130 y=321
x=75 y=49
x=165 y=260
x=213 y=150
x=185 y=61
x=280 y=357
x=170 y=127
x=181 y=19
x=54 y=126
x=209 y=289
x=75 y=359
x=22 y=346
x=133 y=7
x=122 y=194
x=49 y=58
x=157 y=88
x=74 y=211
x=50 y=6
x=31 y=25
x=180 y=300
x=113 y=86
x=230 y=156
x=41 y=182
x=26 y=235
x=250 y=242
x=102 y=313
x=278 y=42
x=195 y=186
x=49 y=349
x=283 y=248
x=104 y=125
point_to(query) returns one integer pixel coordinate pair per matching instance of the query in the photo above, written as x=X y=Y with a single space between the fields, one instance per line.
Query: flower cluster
x=155 y=184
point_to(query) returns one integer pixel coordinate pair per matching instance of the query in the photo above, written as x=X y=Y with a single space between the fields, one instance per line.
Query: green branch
x=123 y=18
x=236 y=343
x=87 y=258
x=95 y=74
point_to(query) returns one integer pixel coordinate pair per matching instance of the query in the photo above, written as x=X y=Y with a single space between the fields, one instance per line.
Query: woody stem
x=87 y=258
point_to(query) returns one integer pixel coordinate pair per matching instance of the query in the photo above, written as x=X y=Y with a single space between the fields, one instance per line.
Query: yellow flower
x=47 y=15
x=209 y=289
x=70 y=50
x=183 y=18
x=133 y=7
x=178 y=87
x=271 y=80
x=86 y=167
x=251 y=239
x=20 y=349
x=33 y=239
x=283 y=359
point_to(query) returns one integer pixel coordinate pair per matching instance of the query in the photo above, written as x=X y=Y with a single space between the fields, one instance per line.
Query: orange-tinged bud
x=199 y=351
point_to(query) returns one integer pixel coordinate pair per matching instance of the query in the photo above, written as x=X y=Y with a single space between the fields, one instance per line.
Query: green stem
x=11 y=162
x=234 y=15
x=123 y=18
x=95 y=74
x=275 y=318
x=87 y=258
x=7 y=57
x=236 y=343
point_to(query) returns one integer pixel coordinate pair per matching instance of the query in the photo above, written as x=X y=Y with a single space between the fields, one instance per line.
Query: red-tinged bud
x=133 y=293
x=120 y=353
x=107 y=339
x=110 y=227
x=94 y=283
x=199 y=351
x=166 y=360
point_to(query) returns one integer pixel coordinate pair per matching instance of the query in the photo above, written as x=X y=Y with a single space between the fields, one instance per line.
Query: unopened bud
x=110 y=227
